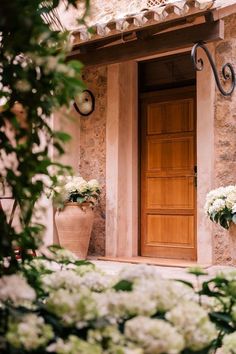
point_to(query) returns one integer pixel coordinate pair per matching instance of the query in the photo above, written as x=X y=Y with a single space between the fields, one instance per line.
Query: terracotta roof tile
x=109 y=21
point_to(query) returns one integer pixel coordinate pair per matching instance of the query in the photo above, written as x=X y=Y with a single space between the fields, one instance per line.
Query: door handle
x=195 y=175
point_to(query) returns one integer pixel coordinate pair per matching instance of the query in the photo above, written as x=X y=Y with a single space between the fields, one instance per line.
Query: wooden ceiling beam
x=156 y=44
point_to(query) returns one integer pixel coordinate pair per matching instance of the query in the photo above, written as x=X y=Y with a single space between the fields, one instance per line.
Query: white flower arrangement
x=76 y=189
x=220 y=206
x=77 y=308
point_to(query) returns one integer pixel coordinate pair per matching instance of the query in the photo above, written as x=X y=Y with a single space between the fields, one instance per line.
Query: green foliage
x=123 y=285
x=35 y=80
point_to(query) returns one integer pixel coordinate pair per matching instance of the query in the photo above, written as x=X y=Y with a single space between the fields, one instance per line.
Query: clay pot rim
x=75 y=204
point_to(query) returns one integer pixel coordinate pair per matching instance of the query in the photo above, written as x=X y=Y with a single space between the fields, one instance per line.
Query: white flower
x=218 y=205
x=154 y=336
x=94 y=185
x=121 y=305
x=111 y=333
x=42 y=265
x=58 y=189
x=74 y=308
x=30 y=333
x=70 y=187
x=138 y=272
x=229 y=344
x=82 y=187
x=85 y=268
x=66 y=279
x=231 y=199
x=16 y=289
x=61 y=255
x=165 y=293
x=192 y=321
x=96 y=281
x=73 y=345
x=218 y=199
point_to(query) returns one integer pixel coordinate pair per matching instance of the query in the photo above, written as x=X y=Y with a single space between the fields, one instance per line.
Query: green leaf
x=123 y=285
x=62 y=136
x=80 y=199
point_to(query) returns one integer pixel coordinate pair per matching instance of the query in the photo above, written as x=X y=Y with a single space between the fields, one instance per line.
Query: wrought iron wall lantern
x=84 y=103
x=227 y=70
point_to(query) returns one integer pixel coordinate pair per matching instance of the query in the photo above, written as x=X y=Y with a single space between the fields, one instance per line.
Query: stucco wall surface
x=225 y=141
x=93 y=150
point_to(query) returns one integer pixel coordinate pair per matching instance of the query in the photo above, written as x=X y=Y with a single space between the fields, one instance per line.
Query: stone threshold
x=164 y=262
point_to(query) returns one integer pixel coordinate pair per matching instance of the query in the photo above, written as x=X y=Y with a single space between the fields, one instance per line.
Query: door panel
x=168 y=157
x=174 y=117
x=170 y=230
x=170 y=193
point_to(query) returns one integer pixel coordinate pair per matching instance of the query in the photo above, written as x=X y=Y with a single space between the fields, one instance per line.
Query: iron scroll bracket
x=227 y=70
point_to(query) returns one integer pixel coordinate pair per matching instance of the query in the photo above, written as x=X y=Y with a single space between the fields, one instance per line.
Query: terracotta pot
x=74 y=225
x=232 y=240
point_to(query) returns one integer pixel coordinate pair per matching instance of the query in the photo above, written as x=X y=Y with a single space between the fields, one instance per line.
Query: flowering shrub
x=76 y=189
x=76 y=308
x=221 y=205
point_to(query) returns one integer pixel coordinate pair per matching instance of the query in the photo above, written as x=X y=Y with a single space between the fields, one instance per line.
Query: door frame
x=122 y=158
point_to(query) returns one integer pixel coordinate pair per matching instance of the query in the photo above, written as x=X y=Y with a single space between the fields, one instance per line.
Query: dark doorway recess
x=166 y=72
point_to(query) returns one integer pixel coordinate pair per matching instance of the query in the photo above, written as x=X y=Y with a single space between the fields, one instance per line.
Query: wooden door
x=168 y=166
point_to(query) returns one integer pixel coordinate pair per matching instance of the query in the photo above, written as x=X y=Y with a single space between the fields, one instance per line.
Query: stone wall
x=92 y=163
x=225 y=139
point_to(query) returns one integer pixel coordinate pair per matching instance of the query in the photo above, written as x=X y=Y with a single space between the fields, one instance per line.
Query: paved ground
x=167 y=272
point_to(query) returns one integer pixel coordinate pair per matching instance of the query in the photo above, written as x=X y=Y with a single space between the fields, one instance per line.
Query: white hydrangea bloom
x=192 y=321
x=154 y=335
x=118 y=305
x=165 y=293
x=219 y=198
x=94 y=185
x=70 y=187
x=41 y=265
x=231 y=199
x=86 y=268
x=61 y=255
x=96 y=281
x=74 y=280
x=30 y=333
x=82 y=187
x=111 y=333
x=73 y=345
x=229 y=344
x=74 y=308
x=66 y=279
x=218 y=205
x=138 y=272
x=16 y=289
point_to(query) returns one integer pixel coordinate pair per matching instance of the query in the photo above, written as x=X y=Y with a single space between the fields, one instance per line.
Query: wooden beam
x=224 y=11
x=157 y=44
